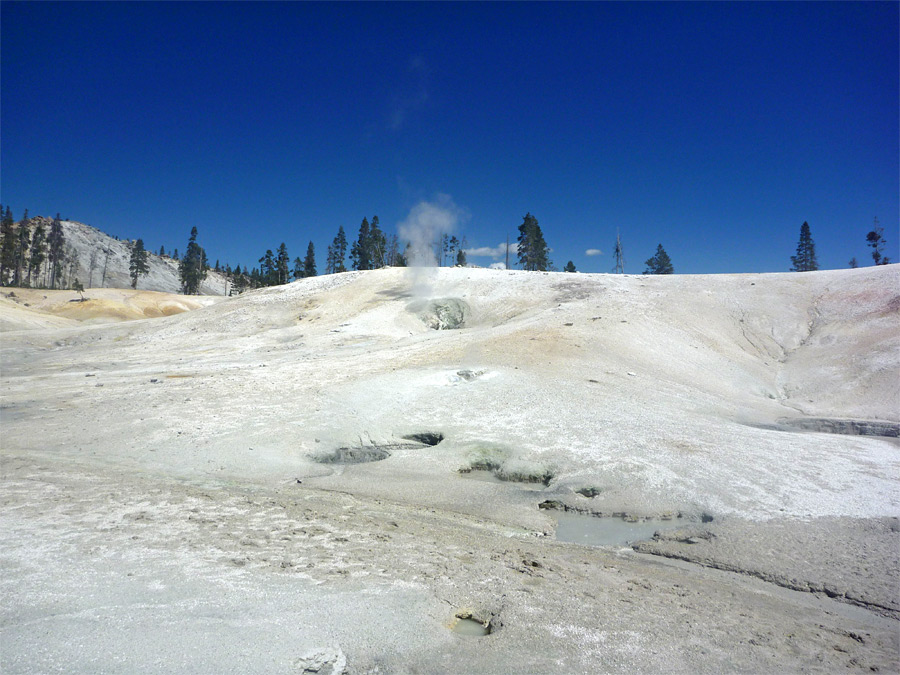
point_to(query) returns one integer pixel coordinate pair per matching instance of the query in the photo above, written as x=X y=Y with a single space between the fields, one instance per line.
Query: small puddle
x=607 y=531
x=486 y=476
x=470 y=627
x=359 y=455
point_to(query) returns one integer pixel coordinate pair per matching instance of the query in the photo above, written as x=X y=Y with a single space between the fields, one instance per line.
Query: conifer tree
x=340 y=250
x=282 y=265
x=534 y=255
x=55 y=250
x=139 y=264
x=877 y=242
x=360 y=251
x=660 y=263
x=309 y=262
x=23 y=243
x=38 y=251
x=298 y=268
x=444 y=248
x=570 y=267
x=805 y=260
x=7 y=245
x=191 y=266
x=267 y=273
x=377 y=245
x=240 y=280
x=452 y=249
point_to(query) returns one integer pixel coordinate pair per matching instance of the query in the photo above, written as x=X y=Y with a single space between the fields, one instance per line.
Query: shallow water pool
x=606 y=531
x=470 y=627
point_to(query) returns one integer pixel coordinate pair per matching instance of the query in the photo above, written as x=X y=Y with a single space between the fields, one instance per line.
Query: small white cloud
x=498 y=266
x=593 y=251
x=498 y=251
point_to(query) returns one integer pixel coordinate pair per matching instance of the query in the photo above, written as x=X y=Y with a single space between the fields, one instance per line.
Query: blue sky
x=714 y=129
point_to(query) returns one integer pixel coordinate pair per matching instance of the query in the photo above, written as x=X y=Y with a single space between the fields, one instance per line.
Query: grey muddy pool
x=591 y=530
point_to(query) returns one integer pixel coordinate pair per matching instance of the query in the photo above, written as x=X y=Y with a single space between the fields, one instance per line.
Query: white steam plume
x=424 y=226
x=426 y=223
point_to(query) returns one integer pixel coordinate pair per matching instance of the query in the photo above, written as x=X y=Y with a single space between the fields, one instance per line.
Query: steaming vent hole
x=445 y=314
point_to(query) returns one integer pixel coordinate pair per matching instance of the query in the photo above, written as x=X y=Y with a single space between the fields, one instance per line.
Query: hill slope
x=101 y=261
x=213 y=459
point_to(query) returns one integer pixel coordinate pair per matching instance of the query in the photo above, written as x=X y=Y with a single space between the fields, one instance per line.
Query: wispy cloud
x=593 y=251
x=498 y=251
x=412 y=95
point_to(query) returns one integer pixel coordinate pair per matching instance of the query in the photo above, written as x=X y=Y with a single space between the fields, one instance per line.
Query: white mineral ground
x=163 y=510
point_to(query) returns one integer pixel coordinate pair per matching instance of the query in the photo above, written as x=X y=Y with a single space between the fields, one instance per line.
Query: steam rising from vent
x=424 y=226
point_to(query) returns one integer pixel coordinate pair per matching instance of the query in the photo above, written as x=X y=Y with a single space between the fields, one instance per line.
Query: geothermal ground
x=366 y=473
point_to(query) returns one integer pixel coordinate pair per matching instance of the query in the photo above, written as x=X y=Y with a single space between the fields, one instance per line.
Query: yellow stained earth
x=28 y=309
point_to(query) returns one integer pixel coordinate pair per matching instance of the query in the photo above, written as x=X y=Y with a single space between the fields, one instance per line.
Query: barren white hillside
x=321 y=440
x=98 y=260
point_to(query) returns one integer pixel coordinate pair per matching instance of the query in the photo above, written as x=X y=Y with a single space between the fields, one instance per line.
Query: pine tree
x=139 y=264
x=533 y=251
x=659 y=263
x=853 y=263
x=309 y=262
x=268 y=272
x=443 y=249
x=620 y=255
x=191 y=266
x=240 y=281
x=162 y=251
x=23 y=243
x=38 y=251
x=805 y=260
x=570 y=267
x=360 y=251
x=461 y=253
x=282 y=265
x=340 y=250
x=452 y=249
x=55 y=250
x=377 y=245
x=877 y=242
x=8 y=245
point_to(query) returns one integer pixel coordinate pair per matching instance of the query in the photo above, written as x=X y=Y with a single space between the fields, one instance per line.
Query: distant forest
x=34 y=253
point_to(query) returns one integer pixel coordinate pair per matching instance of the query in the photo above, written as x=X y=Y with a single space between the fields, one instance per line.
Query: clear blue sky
x=714 y=129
